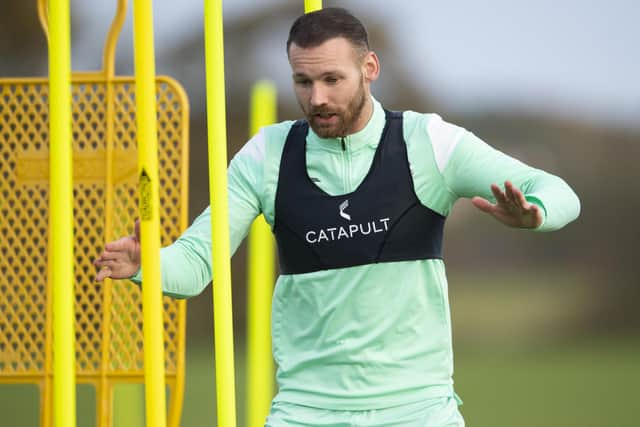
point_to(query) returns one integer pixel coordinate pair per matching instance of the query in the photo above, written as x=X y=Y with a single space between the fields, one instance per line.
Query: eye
x=331 y=80
x=302 y=82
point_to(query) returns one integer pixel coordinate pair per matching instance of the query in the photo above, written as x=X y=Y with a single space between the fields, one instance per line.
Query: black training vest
x=381 y=221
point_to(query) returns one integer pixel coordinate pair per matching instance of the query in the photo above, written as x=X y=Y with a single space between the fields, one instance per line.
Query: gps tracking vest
x=381 y=221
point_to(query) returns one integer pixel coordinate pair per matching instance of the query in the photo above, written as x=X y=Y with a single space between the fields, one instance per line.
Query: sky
x=577 y=59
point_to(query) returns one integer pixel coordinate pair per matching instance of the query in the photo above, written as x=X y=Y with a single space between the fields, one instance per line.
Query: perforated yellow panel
x=109 y=341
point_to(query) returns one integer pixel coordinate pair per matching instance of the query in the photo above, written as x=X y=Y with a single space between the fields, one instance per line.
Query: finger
x=109 y=255
x=103 y=274
x=106 y=263
x=137 y=229
x=521 y=200
x=535 y=211
x=498 y=194
x=510 y=192
x=99 y=261
x=517 y=196
x=483 y=204
x=517 y=202
x=118 y=245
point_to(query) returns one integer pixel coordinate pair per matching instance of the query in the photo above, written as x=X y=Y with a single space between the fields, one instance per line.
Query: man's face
x=330 y=85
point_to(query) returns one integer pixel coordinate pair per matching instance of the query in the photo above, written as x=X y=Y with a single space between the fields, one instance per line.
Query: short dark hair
x=314 y=28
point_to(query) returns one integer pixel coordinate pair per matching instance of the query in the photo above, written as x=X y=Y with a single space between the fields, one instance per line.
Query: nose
x=318 y=95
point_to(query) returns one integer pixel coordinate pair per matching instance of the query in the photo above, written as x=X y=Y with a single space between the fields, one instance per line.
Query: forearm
x=475 y=166
x=186 y=264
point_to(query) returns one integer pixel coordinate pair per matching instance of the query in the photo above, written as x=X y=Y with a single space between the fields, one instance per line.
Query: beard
x=345 y=118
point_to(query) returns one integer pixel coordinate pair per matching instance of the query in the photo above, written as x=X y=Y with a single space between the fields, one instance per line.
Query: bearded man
x=357 y=198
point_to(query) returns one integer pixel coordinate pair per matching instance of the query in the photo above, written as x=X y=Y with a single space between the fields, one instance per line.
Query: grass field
x=514 y=364
x=591 y=384
x=587 y=384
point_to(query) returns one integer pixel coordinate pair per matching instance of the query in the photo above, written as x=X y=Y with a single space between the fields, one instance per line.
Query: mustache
x=314 y=111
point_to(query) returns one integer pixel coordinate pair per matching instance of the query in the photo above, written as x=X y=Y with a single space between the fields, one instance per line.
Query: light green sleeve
x=474 y=166
x=186 y=263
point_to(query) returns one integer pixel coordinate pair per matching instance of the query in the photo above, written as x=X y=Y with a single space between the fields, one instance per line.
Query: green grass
x=592 y=384
x=514 y=365
x=585 y=384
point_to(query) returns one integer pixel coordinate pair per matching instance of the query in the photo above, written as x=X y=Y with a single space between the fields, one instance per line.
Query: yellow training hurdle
x=108 y=316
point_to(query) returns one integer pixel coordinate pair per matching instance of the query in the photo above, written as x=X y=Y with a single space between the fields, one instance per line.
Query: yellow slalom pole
x=260 y=384
x=312 y=5
x=61 y=214
x=149 y=213
x=221 y=254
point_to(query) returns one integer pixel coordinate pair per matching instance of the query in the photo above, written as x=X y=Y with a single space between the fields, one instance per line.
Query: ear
x=370 y=67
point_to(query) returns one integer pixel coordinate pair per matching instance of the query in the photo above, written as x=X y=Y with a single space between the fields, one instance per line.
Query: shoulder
x=277 y=133
x=430 y=129
x=257 y=163
x=268 y=139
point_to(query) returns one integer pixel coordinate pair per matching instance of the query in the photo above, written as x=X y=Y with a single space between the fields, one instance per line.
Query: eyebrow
x=325 y=74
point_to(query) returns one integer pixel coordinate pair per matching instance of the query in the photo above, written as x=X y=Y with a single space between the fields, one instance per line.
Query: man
x=357 y=197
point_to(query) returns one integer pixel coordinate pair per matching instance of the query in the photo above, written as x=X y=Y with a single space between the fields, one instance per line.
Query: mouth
x=324 y=118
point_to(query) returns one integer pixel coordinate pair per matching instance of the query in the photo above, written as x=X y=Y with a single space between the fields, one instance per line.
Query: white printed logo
x=344 y=205
x=348 y=231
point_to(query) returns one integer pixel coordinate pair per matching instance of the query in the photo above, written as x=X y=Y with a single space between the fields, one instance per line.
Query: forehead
x=337 y=54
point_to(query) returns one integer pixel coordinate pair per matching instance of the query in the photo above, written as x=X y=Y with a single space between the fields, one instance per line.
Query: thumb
x=483 y=204
x=103 y=274
x=137 y=230
x=122 y=244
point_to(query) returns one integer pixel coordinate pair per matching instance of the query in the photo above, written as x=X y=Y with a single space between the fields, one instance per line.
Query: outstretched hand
x=511 y=207
x=120 y=259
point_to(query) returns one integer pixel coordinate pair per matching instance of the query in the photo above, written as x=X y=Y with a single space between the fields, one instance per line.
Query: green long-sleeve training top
x=370 y=336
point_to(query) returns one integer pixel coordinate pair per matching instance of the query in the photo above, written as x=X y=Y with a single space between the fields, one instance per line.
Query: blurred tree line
x=598 y=162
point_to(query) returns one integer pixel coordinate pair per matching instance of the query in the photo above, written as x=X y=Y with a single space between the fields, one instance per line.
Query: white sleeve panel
x=444 y=138
x=255 y=148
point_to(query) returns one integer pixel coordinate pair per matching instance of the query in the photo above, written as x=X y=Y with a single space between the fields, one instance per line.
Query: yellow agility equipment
x=221 y=253
x=261 y=274
x=149 y=222
x=61 y=214
x=312 y=5
x=108 y=315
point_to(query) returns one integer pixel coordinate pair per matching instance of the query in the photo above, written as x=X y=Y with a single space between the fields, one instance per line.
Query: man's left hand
x=511 y=207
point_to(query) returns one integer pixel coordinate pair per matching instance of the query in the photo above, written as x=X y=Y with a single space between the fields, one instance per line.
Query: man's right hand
x=120 y=259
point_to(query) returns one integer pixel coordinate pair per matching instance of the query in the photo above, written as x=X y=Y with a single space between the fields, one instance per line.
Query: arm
x=536 y=199
x=186 y=264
